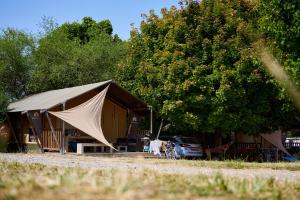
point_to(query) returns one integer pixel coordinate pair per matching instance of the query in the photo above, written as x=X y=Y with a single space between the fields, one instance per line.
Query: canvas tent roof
x=50 y=99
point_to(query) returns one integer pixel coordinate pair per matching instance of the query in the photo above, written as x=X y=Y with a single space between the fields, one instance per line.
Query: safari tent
x=270 y=145
x=101 y=112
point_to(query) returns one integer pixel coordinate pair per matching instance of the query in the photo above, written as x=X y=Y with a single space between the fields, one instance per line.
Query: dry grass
x=35 y=181
x=228 y=164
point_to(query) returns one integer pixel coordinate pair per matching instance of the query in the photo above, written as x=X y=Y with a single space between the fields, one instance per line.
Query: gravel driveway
x=68 y=160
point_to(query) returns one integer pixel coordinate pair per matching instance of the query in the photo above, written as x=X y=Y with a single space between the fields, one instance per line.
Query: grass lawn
x=35 y=181
x=233 y=164
x=229 y=164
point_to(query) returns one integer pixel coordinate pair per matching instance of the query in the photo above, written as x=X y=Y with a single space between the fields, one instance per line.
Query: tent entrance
x=49 y=139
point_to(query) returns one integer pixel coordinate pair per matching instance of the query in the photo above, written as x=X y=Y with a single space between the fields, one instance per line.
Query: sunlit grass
x=241 y=165
x=231 y=164
x=24 y=181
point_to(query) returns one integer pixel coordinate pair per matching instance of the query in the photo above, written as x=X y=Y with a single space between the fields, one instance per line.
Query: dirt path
x=52 y=159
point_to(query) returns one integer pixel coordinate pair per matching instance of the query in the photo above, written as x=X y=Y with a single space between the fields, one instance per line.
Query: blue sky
x=27 y=14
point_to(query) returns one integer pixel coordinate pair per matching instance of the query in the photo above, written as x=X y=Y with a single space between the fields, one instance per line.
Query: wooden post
x=130 y=122
x=129 y=128
x=160 y=127
x=34 y=133
x=52 y=130
x=62 y=151
x=13 y=132
x=151 y=120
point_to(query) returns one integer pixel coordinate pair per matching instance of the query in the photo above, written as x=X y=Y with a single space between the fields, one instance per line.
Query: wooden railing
x=48 y=139
x=138 y=133
x=247 y=145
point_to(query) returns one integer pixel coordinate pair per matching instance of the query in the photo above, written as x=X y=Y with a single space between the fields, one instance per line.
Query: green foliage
x=279 y=23
x=3 y=106
x=87 y=30
x=197 y=67
x=75 y=54
x=15 y=62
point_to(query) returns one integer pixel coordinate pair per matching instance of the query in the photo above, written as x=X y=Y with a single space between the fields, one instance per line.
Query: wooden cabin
x=30 y=122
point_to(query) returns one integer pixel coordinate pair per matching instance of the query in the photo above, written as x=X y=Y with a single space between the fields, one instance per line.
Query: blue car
x=185 y=147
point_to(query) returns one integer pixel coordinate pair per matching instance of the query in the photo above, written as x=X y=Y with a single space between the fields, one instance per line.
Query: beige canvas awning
x=50 y=99
x=87 y=117
x=275 y=139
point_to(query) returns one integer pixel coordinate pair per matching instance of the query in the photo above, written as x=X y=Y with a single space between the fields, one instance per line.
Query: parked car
x=185 y=146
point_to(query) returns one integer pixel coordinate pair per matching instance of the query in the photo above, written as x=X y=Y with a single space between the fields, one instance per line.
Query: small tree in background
x=75 y=54
x=15 y=62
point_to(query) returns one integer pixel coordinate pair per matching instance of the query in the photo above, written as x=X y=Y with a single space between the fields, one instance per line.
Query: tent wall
x=16 y=122
x=55 y=122
x=244 y=138
x=266 y=144
x=114 y=121
x=25 y=128
x=17 y=138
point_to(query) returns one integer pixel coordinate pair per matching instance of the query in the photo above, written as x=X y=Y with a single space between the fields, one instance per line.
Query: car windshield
x=189 y=140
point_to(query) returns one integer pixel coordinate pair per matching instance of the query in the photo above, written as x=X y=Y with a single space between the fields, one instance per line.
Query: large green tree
x=279 y=24
x=75 y=54
x=15 y=62
x=197 y=67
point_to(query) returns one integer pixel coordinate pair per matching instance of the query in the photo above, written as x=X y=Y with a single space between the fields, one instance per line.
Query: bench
x=80 y=147
x=122 y=148
x=126 y=144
